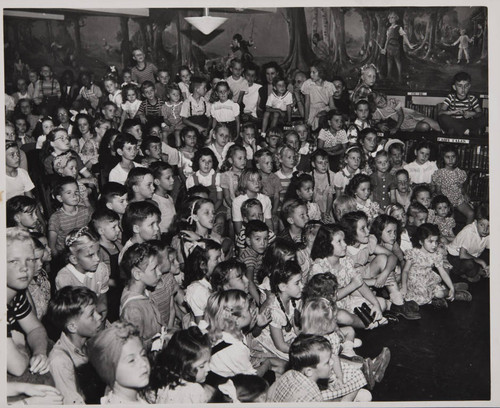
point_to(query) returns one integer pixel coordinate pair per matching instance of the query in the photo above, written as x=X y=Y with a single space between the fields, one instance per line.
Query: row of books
x=473 y=157
x=477 y=187
x=427 y=110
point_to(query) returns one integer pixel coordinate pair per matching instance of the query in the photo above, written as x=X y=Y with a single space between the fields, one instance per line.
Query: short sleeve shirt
x=97 y=281
x=17 y=310
x=280 y=102
x=18 y=185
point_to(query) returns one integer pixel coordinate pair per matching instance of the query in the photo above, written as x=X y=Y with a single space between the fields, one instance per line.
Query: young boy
x=294 y=217
x=195 y=110
x=279 y=104
x=251 y=96
x=114 y=197
x=73 y=310
x=110 y=113
x=150 y=109
x=236 y=82
x=309 y=362
x=417 y=215
x=164 y=181
x=288 y=161
x=469 y=251
x=251 y=209
x=163 y=77
x=460 y=114
x=140 y=185
x=141 y=223
x=257 y=240
x=133 y=127
x=362 y=121
x=125 y=146
x=21 y=212
x=248 y=141
x=18 y=181
x=151 y=147
x=142 y=71
x=271 y=184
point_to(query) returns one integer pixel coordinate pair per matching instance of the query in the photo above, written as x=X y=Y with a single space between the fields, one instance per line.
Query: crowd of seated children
x=225 y=246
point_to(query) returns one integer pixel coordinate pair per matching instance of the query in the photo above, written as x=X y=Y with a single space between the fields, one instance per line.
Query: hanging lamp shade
x=206 y=24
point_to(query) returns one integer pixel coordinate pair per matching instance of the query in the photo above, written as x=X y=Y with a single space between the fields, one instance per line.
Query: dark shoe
x=368 y=372
x=460 y=286
x=463 y=296
x=412 y=306
x=380 y=364
x=390 y=316
x=402 y=311
x=439 y=303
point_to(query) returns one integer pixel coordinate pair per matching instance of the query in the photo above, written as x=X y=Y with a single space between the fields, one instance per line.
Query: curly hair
x=322 y=246
x=380 y=223
x=355 y=182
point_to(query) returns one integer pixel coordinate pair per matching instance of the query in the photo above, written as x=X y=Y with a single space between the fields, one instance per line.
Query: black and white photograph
x=220 y=202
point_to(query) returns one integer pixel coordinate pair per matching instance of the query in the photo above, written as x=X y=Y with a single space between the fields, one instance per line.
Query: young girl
x=421 y=170
x=353 y=161
x=304 y=251
x=333 y=139
x=42 y=129
x=17 y=179
x=69 y=216
x=382 y=182
x=323 y=178
x=229 y=314
x=288 y=161
x=443 y=218
x=307 y=145
x=88 y=145
x=119 y=357
x=419 y=282
x=229 y=274
x=225 y=110
x=199 y=266
x=184 y=80
x=449 y=181
x=302 y=187
x=406 y=119
x=231 y=169
x=422 y=195
x=221 y=143
x=368 y=140
x=399 y=213
x=89 y=92
x=190 y=139
x=343 y=204
x=204 y=165
x=319 y=317
x=329 y=255
x=132 y=103
x=140 y=264
x=181 y=368
x=360 y=188
x=114 y=91
x=366 y=81
x=319 y=95
x=171 y=113
x=39 y=287
x=127 y=79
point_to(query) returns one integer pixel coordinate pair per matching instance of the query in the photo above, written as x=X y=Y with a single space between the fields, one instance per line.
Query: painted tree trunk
x=125 y=44
x=300 y=54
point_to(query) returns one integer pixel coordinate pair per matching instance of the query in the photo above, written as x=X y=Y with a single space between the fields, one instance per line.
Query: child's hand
x=378 y=312
x=39 y=364
x=264 y=318
x=383 y=127
x=380 y=281
x=190 y=236
x=469 y=114
x=451 y=295
x=393 y=131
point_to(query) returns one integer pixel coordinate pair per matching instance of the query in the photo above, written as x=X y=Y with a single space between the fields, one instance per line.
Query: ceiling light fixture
x=206 y=24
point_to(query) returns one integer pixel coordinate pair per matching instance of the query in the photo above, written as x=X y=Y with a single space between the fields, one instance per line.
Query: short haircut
x=482 y=212
x=416 y=208
x=289 y=208
x=147 y=84
x=111 y=190
x=318 y=153
x=122 y=139
x=134 y=177
x=68 y=303
x=135 y=255
x=196 y=81
x=361 y=102
x=255 y=226
x=61 y=182
x=422 y=144
x=103 y=214
x=130 y=123
x=247 y=204
x=248 y=125
x=107 y=103
x=18 y=204
x=261 y=153
x=304 y=351
x=18 y=234
x=136 y=213
x=396 y=146
x=277 y=79
x=195 y=191
x=158 y=168
x=148 y=141
x=462 y=76
x=440 y=199
x=365 y=132
x=402 y=171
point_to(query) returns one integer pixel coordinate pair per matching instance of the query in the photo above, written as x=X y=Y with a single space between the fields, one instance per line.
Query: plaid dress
x=293 y=386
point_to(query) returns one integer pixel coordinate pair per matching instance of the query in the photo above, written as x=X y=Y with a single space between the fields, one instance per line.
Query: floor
x=443 y=356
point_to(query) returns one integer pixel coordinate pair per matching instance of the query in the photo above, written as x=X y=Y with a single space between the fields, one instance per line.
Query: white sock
x=397 y=298
x=348 y=348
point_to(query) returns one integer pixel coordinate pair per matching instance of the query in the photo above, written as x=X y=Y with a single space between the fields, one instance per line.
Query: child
x=294 y=217
x=383 y=183
x=334 y=139
x=461 y=114
x=343 y=204
x=419 y=282
x=18 y=181
x=251 y=96
x=271 y=184
x=171 y=113
x=237 y=84
x=113 y=90
x=417 y=215
x=319 y=95
x=251 y=209
x=228 y=314
x=323 y=179
x=250 y=186
x=106 y=223
x=181 y=368
x=247 y=140
x=278 y=104
x=151 y=147
x=199 y=266
x=73 y=310
x=403 y=191
x=196 y=109
x=242 y=388
x=467 y=251
x=319 y=317
x=126 y=146
x=231 y=170
x=273 y=142
x=362 y=121
x=302 y=188
x=443 y=218
x=150 y=109
x=58 y=142
x=184 y=80
x=43 y=127
x=225 y=110
x=114 y=197
x=140 y=185
x=119 y=357
x=131 y=105
x=84 y=267
x=39 y=287
x=190 y=138
x=89 y=93
x=288 y=161
x=309 y=362
x=47 y=90
x=369 y=141
x=391 y=112
x=140 y=265
x=422 y=195
x=140 y=224
x=396 y=150
x=133 y=127
x=229 y=274
x=163 y=176
x=161 y=86
x=360 y=189
x=143 y=70
x=350 y=167
x=368 y=77
x=307 y=143
x=450 y=181
x=69 y=216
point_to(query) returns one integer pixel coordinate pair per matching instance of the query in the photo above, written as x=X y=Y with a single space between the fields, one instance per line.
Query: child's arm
x=171 y=319
x=237 y=119
x=337 y=368
x=393 y=195
x=17 y=360
x=289 y=113
x=36 y=337
x=220 y=200
x=392 y=261
x=227 y=197
x=446 y=278
x=241 y=94
x=404 y=277
x=278 y=340
x=237 y=227
x=464 y=254
x=355 y=283
x=401 y=117
x=252 y=288
x=307 y=108
x=102 y=305
x=52 y=242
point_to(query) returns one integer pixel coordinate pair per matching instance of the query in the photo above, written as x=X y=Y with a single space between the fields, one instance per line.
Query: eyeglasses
x=66 y=137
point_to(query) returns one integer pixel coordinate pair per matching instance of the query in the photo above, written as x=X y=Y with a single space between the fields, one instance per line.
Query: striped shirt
x=146 y=74
x=470 y=103
x=151 y=110
x=62 y=224
x=252 y=260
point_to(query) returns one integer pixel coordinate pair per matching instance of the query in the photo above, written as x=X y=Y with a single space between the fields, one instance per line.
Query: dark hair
x=447 y=148
x=282 y=273
x=296 y=184
x=204 y=151
x=130 y=123
x=380 y=223
x=461 y=76
x=440 y=199
x=482 y=212
x=122 y=139
x=147 y=84
x=355 y=182
x=422 y=144
x=304 y=351
x=134 y=177
x=18 y=204
x=111 y=190
x=361 y=102
x=174 y=363
x=129 y=87
x=275 y=254
x=255 y=226
x=322 y=246
x=134 y=255
x=148 y=141
x=136 y=213
x=350 y=224
x=186 y=129
x=423 y=232
x=195 y=82
x=365 y=132
x=61 y=182
x=198 y=189
x=321 y=285
x=402 y=171
x=265 y=67
x=419 y=189
x=415 y=208
x=196 y=265
x=102 y=214
x=219 y=276
x=158 y=167
x=69 y=302
x=318 y=153
x=105 y=155
x=249 y=387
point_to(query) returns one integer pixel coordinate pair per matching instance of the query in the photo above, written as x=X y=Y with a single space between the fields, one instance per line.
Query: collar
x=346 y=172
x=66 y=343
x=78 y=275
